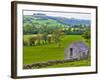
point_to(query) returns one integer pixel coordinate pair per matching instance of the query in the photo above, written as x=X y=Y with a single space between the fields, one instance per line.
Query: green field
x=42 y=53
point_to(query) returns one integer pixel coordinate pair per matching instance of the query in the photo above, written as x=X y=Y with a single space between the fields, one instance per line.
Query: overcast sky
x=77 y=15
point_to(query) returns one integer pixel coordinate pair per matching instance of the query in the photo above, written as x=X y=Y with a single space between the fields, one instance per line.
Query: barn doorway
x=71 y=52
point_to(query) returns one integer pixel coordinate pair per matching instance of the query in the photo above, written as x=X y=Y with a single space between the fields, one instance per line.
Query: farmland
x=45 y=38
x=43 y=53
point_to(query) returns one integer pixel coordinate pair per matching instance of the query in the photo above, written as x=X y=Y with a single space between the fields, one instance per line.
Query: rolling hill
x=60 y=20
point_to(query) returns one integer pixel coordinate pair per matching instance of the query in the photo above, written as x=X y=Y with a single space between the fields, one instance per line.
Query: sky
x=76 y=15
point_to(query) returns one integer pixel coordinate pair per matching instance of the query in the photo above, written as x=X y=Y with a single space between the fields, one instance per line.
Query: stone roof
x=80 y=45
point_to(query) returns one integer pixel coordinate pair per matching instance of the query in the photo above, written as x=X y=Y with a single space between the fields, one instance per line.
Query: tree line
x=47 y=34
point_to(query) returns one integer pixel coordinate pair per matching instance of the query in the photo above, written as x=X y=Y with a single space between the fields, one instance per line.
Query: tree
x=27 y=28
x=57 y=35
x=86 y=35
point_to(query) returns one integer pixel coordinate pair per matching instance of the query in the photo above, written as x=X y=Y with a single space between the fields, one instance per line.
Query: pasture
x=51 y=51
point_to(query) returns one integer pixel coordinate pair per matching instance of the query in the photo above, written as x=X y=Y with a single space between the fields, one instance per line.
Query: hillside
x=60 y=20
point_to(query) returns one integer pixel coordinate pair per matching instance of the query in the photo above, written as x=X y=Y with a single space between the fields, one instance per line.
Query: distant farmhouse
x=77 y=50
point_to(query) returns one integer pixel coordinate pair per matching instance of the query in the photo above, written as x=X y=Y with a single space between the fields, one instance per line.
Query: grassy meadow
x=51 y=51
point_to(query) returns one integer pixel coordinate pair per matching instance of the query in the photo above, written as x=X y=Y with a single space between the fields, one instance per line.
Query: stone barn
x=77 y=50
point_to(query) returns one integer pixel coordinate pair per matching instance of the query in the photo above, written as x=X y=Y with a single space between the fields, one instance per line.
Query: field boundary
x=48 y=63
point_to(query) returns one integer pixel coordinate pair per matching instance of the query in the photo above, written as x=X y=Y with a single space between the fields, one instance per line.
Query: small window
x=83 y=54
